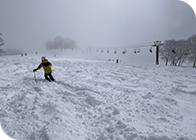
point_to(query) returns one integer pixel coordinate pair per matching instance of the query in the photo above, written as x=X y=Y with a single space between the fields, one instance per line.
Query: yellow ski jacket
x=46 y=66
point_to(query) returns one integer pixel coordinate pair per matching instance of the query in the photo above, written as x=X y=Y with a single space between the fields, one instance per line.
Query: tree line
x=60 y=43
x=176 y=52
x=1 y=44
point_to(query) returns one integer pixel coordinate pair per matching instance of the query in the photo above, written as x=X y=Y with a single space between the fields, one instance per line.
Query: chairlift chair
x=124 y=51
x=115 y=51
x=135 y=51
x=150 y=49
x=138 y=50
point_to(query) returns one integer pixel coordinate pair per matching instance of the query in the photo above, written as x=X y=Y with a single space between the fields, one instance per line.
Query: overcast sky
x=28 y=24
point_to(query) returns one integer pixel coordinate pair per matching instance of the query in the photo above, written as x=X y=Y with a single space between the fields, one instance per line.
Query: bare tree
x=1 y=44
x=192 y=56
x=181 y=52
x=175 y=52
x=50 y=45
x=166 y=51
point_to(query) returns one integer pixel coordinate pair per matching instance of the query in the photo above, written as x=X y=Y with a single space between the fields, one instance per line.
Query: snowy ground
x=96 y=100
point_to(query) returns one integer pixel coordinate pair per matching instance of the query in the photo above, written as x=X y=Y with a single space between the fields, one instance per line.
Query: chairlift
x=124 y=51
x=102 y=51
x=115 y=51
x=107 y=51
x=150 y=49
x=138 y=50
x=135 y=51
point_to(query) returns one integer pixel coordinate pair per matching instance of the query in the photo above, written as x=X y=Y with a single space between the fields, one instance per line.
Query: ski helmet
x=43 y=58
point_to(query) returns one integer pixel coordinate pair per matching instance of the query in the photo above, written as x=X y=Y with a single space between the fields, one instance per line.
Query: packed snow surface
x=96 y=100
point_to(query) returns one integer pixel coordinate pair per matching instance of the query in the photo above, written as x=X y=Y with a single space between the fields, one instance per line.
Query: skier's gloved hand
x=34 y=70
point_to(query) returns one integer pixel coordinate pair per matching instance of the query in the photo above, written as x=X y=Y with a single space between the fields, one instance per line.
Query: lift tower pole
x=157 y=44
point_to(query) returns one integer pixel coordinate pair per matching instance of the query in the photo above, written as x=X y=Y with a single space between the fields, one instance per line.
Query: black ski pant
x=49 y=77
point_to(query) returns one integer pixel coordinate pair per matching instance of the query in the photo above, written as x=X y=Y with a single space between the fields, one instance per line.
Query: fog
x=28 y=25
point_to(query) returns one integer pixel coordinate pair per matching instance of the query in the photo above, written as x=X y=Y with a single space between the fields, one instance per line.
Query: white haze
x=28 y=25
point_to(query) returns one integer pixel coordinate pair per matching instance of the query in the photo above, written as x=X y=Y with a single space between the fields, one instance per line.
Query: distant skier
x=47 y=69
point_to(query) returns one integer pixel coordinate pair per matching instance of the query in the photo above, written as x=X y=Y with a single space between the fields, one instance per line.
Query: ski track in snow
x=96 y=100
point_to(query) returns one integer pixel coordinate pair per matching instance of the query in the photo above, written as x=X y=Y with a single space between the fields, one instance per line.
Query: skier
x=47 y=69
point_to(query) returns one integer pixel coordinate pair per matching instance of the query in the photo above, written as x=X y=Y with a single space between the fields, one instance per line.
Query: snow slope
x=96 y=100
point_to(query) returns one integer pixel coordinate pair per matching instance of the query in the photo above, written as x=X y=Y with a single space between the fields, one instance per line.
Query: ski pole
x=35 y=77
